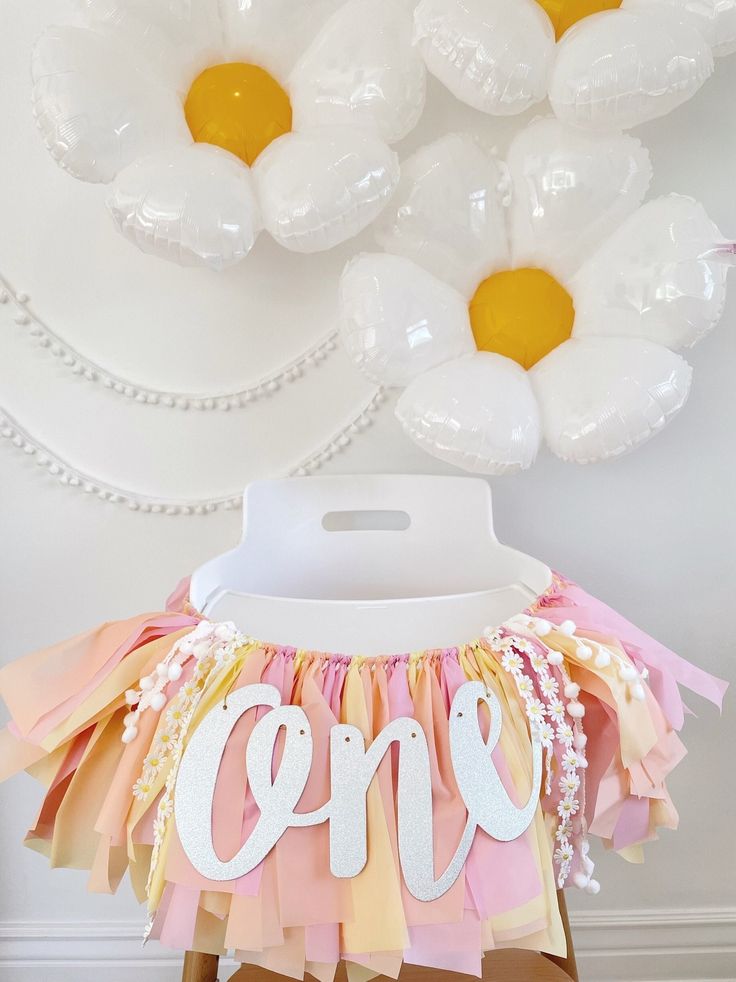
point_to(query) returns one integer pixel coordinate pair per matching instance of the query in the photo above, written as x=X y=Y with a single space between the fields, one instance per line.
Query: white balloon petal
x=571 y=189
x=492 y=54
x=361 y=68
x=619 y=68
x=396 y=320
x=194 y=205
x=651 y=278
x=715 y=19
x=448 y=213
x=273 y=33
x=477 y=412
x=97 y=112
x=176 y=39
x=601 y=397
x=322 y=187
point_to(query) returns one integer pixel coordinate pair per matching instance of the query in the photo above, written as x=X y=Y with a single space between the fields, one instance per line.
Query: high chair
x=369 y=565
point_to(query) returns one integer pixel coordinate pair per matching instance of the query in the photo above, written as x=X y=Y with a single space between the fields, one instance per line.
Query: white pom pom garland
x=218 y=640
x=174 y=672
x=576 y=709
x=602 y=659
x=158 y=701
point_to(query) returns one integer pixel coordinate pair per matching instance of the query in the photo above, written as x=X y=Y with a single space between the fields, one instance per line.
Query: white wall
x=653 y=533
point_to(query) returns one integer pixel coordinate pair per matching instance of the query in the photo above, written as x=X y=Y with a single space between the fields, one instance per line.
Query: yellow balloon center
x=238 y=107
x=565 y=13
x=522 y=314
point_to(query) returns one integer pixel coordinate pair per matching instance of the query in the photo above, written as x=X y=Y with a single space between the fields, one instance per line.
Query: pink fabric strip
x=590 y=614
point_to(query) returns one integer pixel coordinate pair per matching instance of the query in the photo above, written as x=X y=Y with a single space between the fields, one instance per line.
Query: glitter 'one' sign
x=352 y=768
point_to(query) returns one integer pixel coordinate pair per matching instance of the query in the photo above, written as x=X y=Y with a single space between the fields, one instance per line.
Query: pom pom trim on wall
x=90 y=370
x=70 y=476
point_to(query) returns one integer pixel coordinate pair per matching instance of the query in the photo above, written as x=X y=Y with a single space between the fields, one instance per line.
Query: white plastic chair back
x=368 y=564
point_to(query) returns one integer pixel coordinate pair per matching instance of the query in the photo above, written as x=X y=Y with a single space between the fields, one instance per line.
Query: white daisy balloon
x=535 y=297
x=605 y=64
x=212 y=119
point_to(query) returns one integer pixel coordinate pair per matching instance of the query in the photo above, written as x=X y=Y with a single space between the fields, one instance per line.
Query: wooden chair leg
x=199 y=967
x=568 y=963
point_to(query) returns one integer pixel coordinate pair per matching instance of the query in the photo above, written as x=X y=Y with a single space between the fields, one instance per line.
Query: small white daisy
x=512 y=661
x=174 y=716
x=564 y=732
x=166 y=808
x=141 y=789
x=525 y=686
x=538 y=661
x=556 y=710
x=524 y=646
x=569 y=783
x=564 y=854
x=535 y=710
x=570 y=760
x=547 y=734
x=549 y=687
x=568 y=807
x=564 y=829
x=154 y=762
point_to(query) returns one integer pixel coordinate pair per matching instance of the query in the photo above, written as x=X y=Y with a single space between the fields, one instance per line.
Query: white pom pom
x=579 y=741
x=572 y=690
x=131 y=697
x=158 y=701
x=162 y=670
x=644 y=673
x=602 y=659
x=203 y=630
x=582 y=763
x=638 y=692
x=541 y=627
x=130 y=719
x=580 y=880
x=593 y=887
x=174 y=671
x=576 y=709
x=146 y=683
x=129 y=734
x=568 y=628
x=555 y=658
x=627 y=672
x=584 y=652
x=489 y=633
x=225 y=632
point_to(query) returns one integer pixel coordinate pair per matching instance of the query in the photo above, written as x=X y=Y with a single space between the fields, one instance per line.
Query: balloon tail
x=722 y=252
